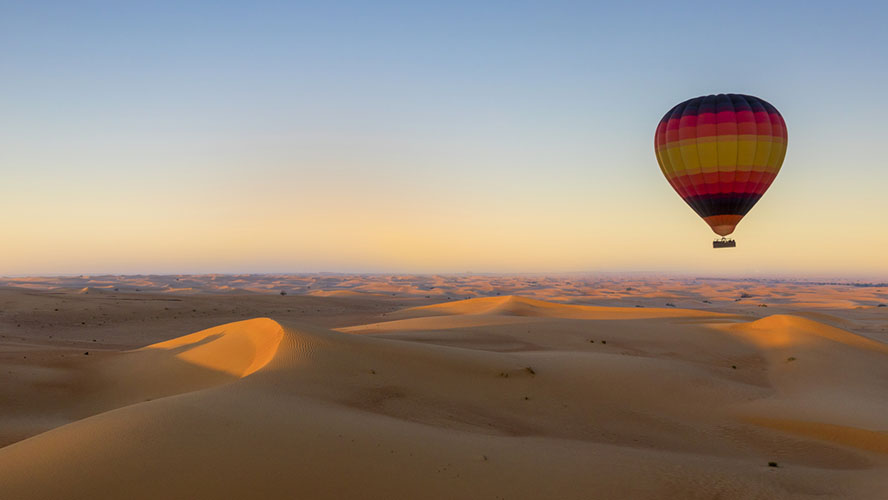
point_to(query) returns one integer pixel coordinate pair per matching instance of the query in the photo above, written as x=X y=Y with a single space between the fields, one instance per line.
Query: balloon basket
x=724 y=243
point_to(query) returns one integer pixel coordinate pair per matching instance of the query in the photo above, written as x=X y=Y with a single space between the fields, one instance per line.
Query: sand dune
x=236 y=348
x=823 y=378
x=506 y=397
x=788 y=330
x=78 y=387
x=522 y=306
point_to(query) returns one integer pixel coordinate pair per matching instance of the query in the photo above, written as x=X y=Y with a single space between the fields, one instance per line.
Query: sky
x=426 y=137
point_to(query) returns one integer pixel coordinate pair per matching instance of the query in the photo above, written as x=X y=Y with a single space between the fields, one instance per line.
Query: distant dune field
x=577 y=389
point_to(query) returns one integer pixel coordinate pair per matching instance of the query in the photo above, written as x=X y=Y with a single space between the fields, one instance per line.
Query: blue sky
x=160 y=136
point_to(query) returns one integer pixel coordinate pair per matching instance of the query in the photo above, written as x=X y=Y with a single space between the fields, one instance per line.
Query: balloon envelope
x=721 y=153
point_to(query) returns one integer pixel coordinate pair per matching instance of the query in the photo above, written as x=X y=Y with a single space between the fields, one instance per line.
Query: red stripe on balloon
x=730 y=182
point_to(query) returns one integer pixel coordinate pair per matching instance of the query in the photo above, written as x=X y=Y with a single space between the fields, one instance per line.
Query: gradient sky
x=155 y=137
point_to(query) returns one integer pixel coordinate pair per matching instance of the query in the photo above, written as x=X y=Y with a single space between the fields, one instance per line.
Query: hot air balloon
x=721 y=153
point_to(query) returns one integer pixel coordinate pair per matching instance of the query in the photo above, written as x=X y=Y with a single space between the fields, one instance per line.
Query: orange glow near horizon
x=417 y=230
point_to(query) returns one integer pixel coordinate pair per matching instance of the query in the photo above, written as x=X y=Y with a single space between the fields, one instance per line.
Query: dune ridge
x=787 y=329
x=828 y=383
x=514 y=305
x=238 y=348
x=80 y=387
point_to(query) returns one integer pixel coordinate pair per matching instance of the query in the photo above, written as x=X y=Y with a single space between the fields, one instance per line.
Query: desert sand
x=366 y=386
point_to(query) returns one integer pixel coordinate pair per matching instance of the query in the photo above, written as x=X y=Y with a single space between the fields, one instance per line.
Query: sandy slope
x=40 y=398
x=489 y=398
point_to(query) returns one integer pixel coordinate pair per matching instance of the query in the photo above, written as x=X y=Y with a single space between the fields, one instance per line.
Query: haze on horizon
x=400 y=137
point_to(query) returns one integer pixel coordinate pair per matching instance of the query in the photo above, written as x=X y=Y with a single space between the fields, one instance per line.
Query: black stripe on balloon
x=715 y=103
x=722 y=204
x=740 y=103
x=696 y=205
